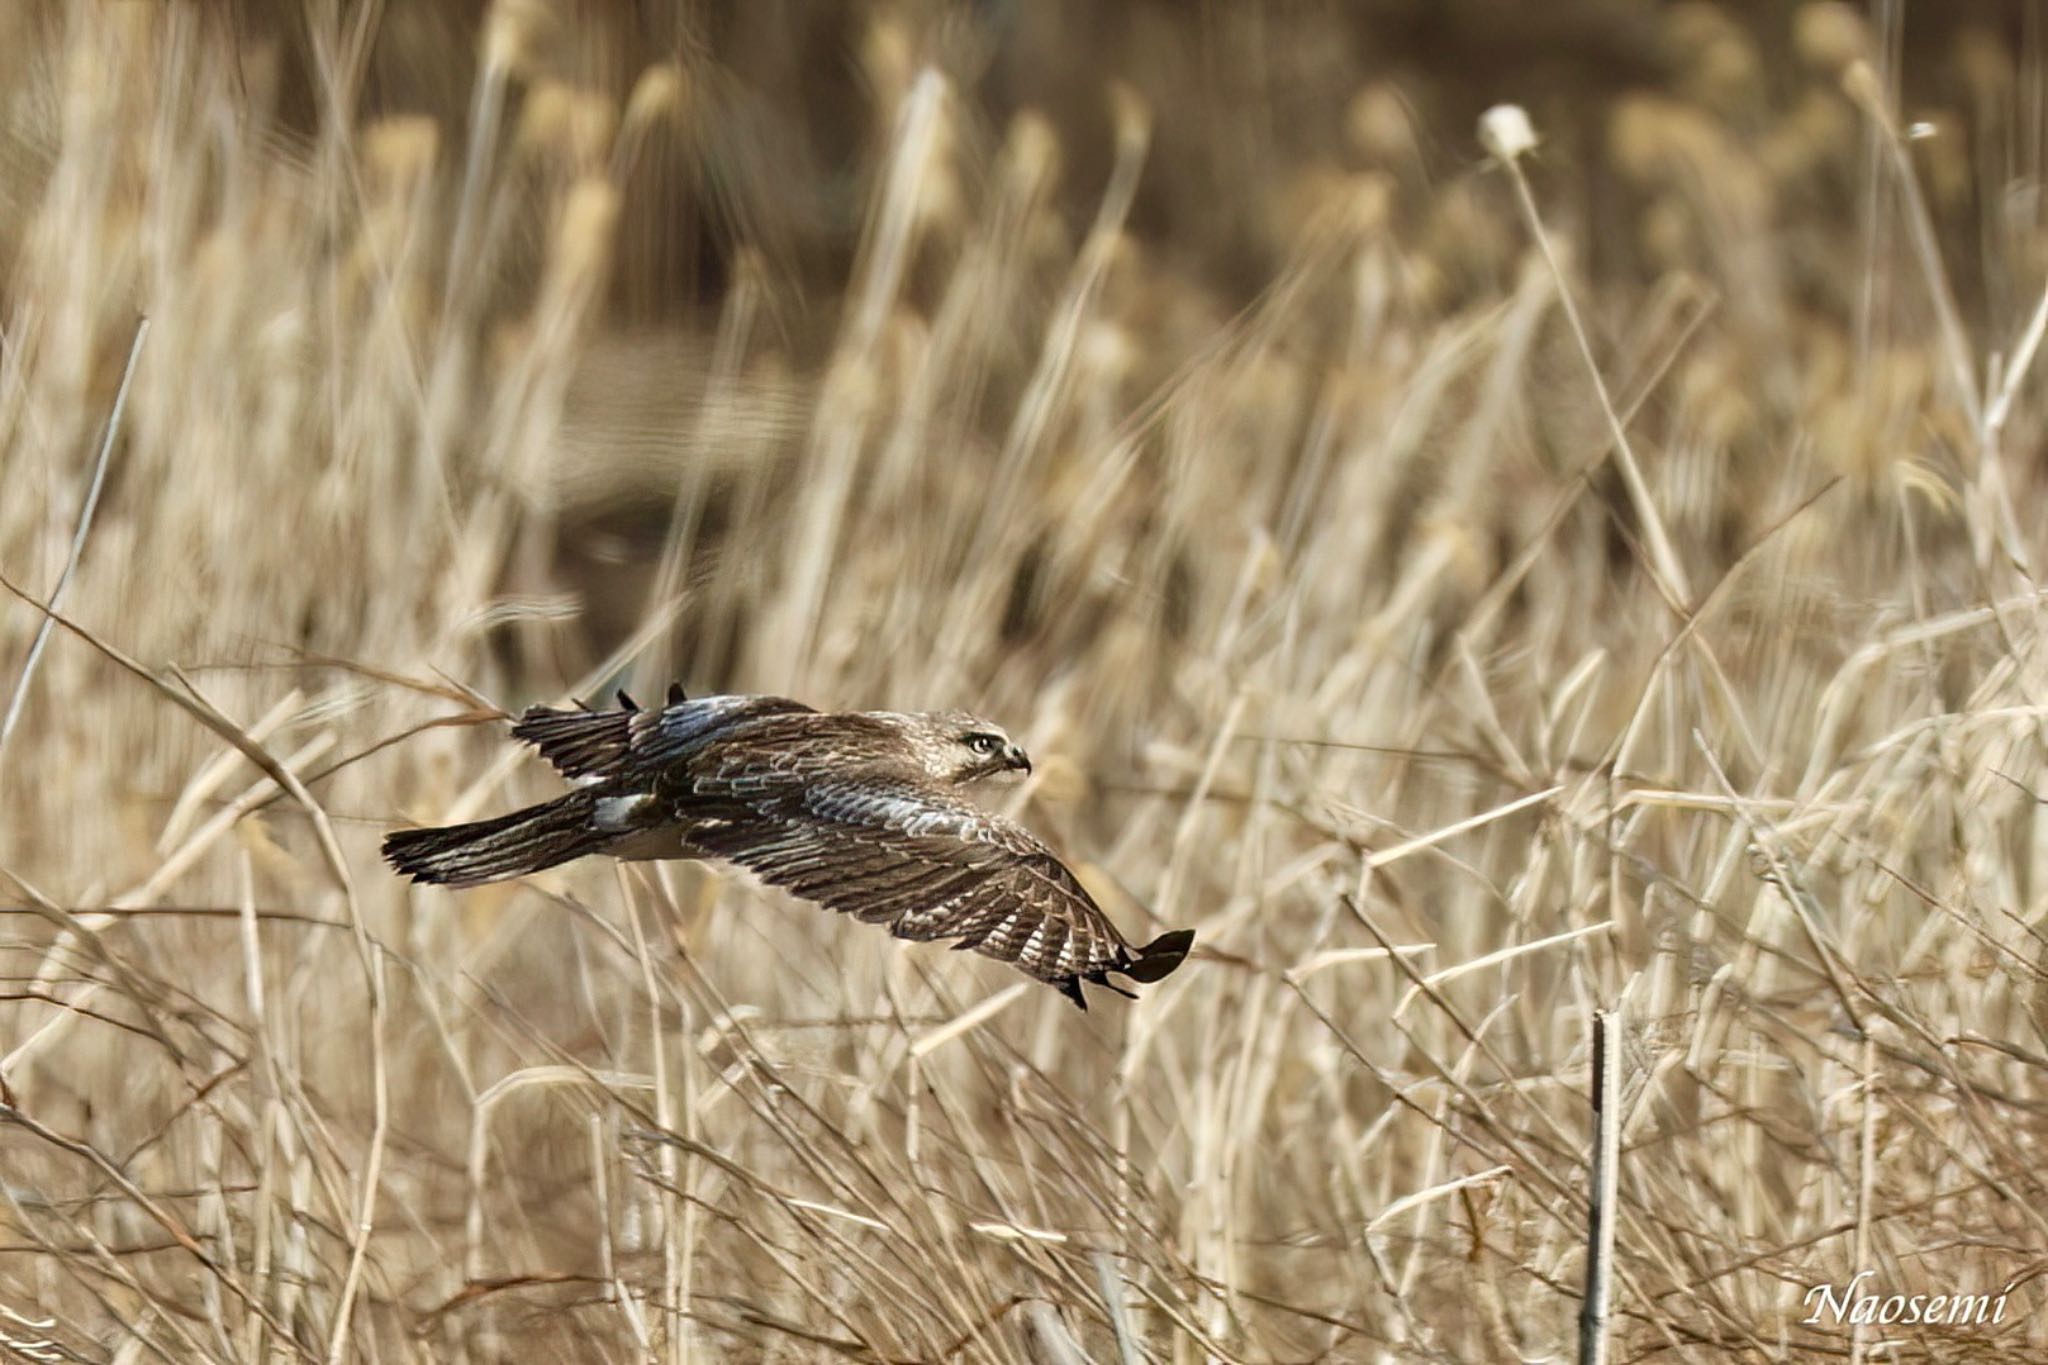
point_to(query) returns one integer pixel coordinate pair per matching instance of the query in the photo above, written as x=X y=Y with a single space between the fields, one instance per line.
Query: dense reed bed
x=1469 y=595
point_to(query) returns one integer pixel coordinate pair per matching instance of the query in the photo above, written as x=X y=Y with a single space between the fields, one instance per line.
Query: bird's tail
x=507 y=846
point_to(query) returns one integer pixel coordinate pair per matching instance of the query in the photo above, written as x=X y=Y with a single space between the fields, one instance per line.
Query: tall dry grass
x=1186 y=390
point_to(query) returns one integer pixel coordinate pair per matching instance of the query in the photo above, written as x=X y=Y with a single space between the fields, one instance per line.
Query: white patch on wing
x=913 y=816
x=898 y=810
x=938 y=822
x=619 y=812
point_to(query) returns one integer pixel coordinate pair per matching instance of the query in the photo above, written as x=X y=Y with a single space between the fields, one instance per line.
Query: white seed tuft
x=1505 y=131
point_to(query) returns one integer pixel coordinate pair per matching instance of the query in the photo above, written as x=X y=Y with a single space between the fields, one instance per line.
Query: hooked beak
x=1016 y=758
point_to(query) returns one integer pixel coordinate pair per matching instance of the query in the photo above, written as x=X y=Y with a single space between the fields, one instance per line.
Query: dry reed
x=1470 y=595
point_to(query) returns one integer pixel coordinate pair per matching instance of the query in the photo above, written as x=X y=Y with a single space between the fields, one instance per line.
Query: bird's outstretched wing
x=826 y=807
x=927 y=864
x=630 y=741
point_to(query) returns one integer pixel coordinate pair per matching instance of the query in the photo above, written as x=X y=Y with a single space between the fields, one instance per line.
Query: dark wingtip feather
x=1155 y=960
x=1158 y=958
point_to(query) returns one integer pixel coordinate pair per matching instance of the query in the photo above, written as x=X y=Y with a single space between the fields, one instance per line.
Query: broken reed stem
x=1606 y=1156
x=1866 y=1184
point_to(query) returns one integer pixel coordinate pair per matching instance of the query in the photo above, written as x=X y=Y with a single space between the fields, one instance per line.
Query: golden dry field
x=1474 y=586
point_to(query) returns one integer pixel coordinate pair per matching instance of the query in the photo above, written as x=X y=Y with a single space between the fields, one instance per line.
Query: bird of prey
x=861 y=812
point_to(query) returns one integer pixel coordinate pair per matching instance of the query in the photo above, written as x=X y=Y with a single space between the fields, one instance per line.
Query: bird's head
x=957 y=748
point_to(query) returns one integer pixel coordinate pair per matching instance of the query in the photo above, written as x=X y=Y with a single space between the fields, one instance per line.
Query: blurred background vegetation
x=1181 y=384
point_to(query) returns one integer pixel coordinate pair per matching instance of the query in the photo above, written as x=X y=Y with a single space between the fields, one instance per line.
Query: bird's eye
x=984 y=744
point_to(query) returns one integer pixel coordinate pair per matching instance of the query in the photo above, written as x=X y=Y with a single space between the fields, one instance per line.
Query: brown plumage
x=861 y=812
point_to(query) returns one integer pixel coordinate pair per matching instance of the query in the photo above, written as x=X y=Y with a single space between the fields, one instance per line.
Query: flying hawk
x=861 y=812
